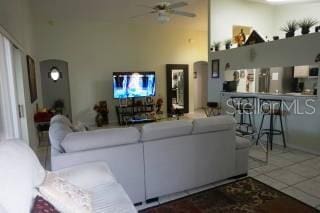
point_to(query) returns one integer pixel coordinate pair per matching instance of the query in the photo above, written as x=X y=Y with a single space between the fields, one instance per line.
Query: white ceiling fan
x=163 y=10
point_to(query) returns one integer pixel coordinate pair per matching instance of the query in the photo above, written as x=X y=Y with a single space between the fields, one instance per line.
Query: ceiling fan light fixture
x=163 y=18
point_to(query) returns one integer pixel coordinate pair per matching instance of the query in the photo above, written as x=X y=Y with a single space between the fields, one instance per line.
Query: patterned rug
x=243 y=196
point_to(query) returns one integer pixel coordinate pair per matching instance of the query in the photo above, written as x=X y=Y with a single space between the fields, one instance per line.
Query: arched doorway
x=55 y=85
x=200 y=70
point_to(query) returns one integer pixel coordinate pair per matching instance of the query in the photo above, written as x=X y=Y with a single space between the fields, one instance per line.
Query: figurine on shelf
x=102 y=117
x=240 y=38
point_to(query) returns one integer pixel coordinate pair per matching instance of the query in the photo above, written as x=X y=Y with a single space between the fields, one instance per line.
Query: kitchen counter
x=276 y=95
x=301 y=122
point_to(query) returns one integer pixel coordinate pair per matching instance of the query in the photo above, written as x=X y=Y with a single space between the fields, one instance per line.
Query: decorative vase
x=228 y=46
x=216 y=49
x=99 y=120
x=289 y=34
x=305 y=31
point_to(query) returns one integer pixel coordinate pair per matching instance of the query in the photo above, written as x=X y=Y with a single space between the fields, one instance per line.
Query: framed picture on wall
x=215 y=68
x=32 y=79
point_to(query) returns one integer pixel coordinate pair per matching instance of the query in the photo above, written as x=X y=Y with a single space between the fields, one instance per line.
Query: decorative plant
x=228 y=43
x=216 y=46
x=58 y=106
x=306 y=24
x=159 y=104
x=102 y=113
x=290 y=28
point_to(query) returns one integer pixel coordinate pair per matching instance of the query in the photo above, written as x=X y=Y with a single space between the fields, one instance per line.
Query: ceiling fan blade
x=145 y=6
x=177 y=5
x=183 y=13
x=142 y=15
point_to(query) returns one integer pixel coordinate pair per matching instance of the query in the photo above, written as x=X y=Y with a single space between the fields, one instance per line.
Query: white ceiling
x=116 y=11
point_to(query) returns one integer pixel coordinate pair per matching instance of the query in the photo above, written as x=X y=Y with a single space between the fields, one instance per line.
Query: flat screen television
x=134 y=84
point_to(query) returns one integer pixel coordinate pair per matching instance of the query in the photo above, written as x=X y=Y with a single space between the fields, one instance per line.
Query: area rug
x=243 y=196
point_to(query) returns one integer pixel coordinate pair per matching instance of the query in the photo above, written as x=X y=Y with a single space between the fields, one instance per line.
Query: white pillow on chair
x=64 y=196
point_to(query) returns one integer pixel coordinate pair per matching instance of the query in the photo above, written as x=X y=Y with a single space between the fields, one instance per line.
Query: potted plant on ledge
x=228 y=43
x=306 y=24
x=216 y=46
x=290 y=28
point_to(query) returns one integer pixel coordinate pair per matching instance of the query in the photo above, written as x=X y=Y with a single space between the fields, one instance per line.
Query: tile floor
x=291 y=171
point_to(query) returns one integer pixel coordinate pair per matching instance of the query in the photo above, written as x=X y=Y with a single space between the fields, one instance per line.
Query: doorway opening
x=56 y=87
x=200 y=70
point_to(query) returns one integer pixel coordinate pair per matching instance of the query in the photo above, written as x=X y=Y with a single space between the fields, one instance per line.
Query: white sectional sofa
x=22 y=174
x=161 y=159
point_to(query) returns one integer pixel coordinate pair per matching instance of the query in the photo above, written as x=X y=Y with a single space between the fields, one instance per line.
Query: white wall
x=226 y=13
x=284 y=13
x=16 y=23
x=95 y=50
x=267 y=19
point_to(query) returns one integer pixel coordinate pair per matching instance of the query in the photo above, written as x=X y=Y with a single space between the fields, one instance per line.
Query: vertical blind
x=9 y=117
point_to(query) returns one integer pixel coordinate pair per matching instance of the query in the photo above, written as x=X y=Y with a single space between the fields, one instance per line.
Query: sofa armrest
x=125 y=162
x=88 y=175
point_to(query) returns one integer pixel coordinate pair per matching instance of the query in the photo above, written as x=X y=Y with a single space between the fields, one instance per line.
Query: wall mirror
x=177 y=88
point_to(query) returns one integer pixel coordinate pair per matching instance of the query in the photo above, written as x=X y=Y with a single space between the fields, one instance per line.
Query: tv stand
x=134 y=113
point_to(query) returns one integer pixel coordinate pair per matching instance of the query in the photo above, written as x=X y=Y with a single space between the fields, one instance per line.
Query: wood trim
x=185 y=68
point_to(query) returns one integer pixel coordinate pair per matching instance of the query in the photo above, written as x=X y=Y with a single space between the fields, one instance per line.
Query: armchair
x=21 y=174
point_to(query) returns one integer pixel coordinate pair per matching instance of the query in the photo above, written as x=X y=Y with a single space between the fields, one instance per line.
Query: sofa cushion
x=57 y=132
x=21 y=172
x=167 y=129
x=88 y=175
x=242 y=143
x=213 y=124
x=82 y=141
x=65 y=196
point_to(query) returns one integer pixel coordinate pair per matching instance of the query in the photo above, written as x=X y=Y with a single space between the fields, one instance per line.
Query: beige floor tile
x=266 y=168
x=311 y=187
x=271 y=182
x=296 y=157
x=279 y=161
x=286 y=176
x=302 y=196
x=253 y=173
x=317 y=178
x=313 y=163
x=304 y=171
x=255 y=163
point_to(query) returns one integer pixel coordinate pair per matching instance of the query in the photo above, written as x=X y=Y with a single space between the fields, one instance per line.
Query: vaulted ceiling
x=117 y=11
x=281 y=2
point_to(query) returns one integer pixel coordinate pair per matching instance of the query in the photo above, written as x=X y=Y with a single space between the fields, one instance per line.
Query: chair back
x=21 y=172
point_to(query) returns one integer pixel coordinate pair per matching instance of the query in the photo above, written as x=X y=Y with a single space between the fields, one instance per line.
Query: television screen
x=133 y=85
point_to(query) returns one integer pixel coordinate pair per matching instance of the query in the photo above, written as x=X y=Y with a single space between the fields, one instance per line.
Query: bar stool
x=244 y=106
x=272 y=108
x=212 y=109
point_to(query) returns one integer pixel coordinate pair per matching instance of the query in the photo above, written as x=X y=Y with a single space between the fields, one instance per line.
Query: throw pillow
x=42 y=206
x=65 y=196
